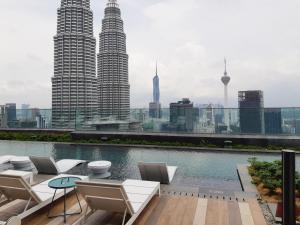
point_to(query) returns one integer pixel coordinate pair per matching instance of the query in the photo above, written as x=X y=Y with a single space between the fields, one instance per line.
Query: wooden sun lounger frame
x=16 y=187
x=160 y=172
x=109 y=197
x=47 y=165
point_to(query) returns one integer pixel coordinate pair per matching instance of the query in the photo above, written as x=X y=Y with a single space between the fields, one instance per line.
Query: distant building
x=273 y=121
x=113 y=83
x=154 y=110
x=155 y=106
x=156 y=91
x=40 y=122
x=11 y=110
x=3 y=116
x=74 y=84
x=297 y=126
x=25 y=112
x=251 y=104
x=110 y=124
x=183 y=115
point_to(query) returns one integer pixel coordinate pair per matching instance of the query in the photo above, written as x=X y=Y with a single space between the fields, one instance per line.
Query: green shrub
x=269 y=174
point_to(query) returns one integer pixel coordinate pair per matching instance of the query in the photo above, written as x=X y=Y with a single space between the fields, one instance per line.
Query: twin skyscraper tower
x=76 y=90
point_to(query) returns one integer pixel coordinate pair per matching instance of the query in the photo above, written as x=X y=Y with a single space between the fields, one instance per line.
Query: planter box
x=279 y=211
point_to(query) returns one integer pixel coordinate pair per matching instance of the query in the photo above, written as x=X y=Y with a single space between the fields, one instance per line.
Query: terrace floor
x=166 y=210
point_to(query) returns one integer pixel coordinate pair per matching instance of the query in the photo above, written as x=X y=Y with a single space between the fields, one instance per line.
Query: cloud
x=189 y=39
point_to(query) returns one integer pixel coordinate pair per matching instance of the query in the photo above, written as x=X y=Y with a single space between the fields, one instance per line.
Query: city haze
x=190 y=39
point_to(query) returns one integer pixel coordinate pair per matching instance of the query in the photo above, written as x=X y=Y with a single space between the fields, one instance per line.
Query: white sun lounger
x=5 y=162
x=47 y=165
x=16 y=190
x=159 y=172
x=130 y=197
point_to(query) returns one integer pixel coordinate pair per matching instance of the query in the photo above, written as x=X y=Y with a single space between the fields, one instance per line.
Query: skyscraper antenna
x=156 y=68
x=225 y=62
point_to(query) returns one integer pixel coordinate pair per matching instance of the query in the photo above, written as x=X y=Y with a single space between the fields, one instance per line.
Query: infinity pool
x=207 y=170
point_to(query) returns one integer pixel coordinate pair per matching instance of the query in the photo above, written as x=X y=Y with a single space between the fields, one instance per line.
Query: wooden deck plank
x=256 y=211
x=246 y=215
x=176 y=218
x=99 y=218
x=200 y=214
x=157 y=211
x=142 y=219
x=40 y=217
x=190 y=211
x=169 y=212
x=234 y=214
x=165 y=210
x=217 y=213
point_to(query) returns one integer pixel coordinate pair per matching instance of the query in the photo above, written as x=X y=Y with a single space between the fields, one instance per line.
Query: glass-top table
x=64 y=183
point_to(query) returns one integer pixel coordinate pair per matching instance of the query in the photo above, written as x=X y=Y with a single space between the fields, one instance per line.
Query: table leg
x=65 y=216
x=48 y=215
x=78 y=200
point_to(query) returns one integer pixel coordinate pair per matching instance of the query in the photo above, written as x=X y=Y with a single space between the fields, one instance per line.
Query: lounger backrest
x=105 y=196
x=154 y=172
x=15 y=187
x=45 y=165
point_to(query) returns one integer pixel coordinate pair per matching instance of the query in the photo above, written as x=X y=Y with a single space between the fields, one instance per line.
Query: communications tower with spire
x=155 y=106
x=225 y=80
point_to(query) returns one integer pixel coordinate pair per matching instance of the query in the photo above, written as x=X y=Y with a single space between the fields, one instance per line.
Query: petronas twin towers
x=76 y=90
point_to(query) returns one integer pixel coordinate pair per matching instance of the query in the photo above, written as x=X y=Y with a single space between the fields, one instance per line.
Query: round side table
x=64 y=183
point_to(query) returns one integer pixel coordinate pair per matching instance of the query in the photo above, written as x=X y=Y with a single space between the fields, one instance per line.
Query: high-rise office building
x=251 y=108
x=11 y=110
x=74 y=83
x=25 y=112
x=273 y=121
x=113 y=85
x=155 y=106
x=3 y=116
x=156 y=91
x=183 y=115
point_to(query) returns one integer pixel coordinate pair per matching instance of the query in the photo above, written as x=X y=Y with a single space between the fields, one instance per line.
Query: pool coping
x=246 y=179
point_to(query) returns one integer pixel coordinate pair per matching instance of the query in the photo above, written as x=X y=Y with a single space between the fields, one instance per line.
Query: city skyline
x=265 y=49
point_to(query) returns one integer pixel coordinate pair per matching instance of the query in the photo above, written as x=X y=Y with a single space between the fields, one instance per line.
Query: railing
x=265 y=121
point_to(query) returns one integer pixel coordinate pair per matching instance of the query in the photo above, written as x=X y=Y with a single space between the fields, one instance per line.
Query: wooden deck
x=166 y=210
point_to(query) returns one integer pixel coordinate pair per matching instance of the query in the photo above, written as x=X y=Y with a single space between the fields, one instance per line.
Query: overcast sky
x=189 y=38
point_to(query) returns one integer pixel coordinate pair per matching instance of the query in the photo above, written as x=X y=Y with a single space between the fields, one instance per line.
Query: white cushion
x=141 y=183
x=20 y=160
x=45 y=189
x=65 y=165
x=64 y=175
x=138 y=190
x=171 y=172
x=136 y=206
x=137 y=198
x=6 y=159
x=44 y=196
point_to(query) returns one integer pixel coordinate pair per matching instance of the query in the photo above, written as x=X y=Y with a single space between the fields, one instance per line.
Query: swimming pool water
x=207 y=170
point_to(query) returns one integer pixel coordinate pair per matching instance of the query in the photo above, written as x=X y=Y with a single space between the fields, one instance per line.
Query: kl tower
x=225 y=80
